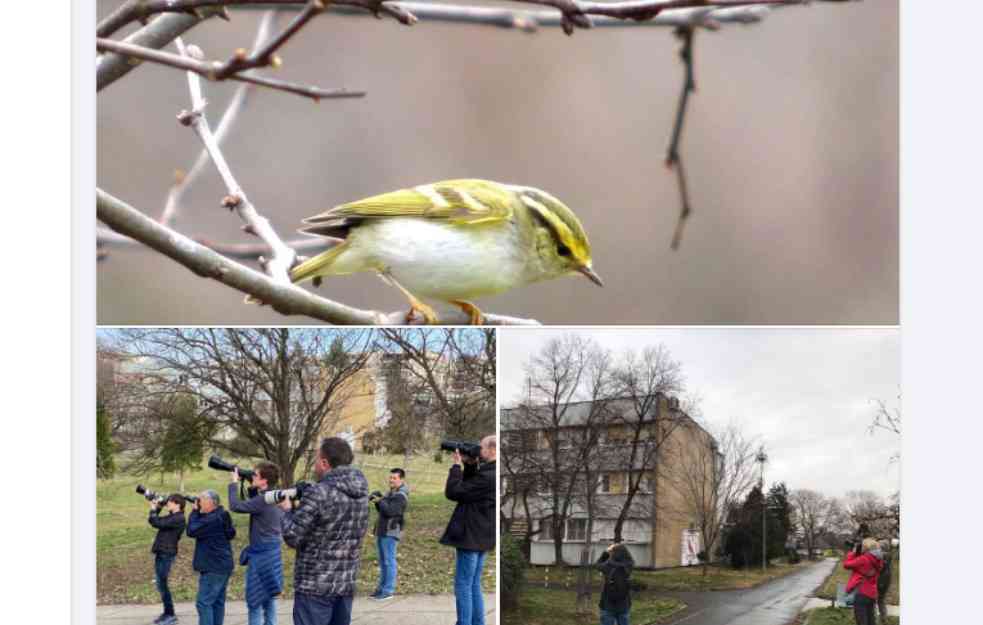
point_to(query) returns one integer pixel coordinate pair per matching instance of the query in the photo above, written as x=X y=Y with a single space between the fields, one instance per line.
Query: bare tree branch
x=569 y=14
x=236 y=104
x=672 y=156
x=283 y=257
x=157 y=34
x=135 y=10
x=213 y=70
x=287 y=299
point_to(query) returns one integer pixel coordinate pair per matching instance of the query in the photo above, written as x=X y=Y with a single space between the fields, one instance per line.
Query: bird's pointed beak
x=591 y=275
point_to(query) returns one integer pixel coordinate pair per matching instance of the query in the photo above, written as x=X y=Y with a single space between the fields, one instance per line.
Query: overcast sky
x=807 y=392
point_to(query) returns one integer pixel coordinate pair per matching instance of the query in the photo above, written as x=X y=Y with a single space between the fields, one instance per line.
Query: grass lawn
x=688 y=578
x=835 y=616
x=840 y=576
x=125 y=566
x=539 y=606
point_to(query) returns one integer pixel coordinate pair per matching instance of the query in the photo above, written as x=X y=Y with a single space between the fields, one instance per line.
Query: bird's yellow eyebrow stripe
x=533 y=204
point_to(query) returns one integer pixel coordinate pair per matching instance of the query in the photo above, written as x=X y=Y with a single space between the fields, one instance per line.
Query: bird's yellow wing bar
x=457 y=201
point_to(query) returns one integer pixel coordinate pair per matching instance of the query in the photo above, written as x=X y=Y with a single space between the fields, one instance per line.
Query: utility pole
x=762 y=458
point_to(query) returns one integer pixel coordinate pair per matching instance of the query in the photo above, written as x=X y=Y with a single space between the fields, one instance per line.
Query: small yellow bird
x=452 y=241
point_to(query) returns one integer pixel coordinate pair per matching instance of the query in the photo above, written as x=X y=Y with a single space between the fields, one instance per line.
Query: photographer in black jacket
x=471 y=529
x=169 y=530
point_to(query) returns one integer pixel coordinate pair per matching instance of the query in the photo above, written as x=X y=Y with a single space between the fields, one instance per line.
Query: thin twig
x=282 y=255
x=157 y=34
x=287 y=299
x=236 y=104
x=211 y=70
x=672 y=155
x=265 y=54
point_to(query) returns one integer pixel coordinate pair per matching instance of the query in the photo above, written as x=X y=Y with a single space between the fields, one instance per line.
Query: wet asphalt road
x=774 y=603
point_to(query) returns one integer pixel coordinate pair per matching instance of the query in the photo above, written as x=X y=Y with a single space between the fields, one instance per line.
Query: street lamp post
x=761 y=459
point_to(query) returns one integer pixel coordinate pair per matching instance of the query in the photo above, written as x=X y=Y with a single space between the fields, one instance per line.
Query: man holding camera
x=211 y=527
x=471 y=529
x=388 y=530
x=326 y=528
x=169 y=530
x=264 y=577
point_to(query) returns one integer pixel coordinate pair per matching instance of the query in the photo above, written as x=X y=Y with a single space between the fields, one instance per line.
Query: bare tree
x=268 y=392
x=647 y=416
x=451 y=374
x=815 y=513
x=562 y=416
x=887 y=419
x=871 y=515
x=711 y=477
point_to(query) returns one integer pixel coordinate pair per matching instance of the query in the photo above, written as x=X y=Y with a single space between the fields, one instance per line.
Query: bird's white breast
x=436 y=260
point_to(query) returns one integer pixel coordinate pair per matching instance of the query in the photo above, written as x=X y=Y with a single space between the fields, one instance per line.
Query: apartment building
x=624 y=453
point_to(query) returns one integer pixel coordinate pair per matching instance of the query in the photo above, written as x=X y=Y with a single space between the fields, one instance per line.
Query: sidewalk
x=403 y=610
x=818 y=602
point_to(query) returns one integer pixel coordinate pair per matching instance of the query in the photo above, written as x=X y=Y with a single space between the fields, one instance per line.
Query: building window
x=576 y=530
x=612 y=483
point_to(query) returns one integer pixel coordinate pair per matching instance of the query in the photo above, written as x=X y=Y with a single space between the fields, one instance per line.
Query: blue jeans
x=467 y=587
x=324 y=610
x=611 y=618
x=162 y=568
x=211 y=598
x=256 y=614
x=386 y=545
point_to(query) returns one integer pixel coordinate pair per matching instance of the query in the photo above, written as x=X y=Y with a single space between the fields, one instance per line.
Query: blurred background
x=790 y=147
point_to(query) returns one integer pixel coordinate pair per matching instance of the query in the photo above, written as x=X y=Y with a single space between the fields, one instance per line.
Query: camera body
x=376 y=494
x=214 y=462
x=295 y=494
x=471 y=450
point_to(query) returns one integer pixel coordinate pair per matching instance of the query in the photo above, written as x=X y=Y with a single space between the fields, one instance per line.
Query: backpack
x=617 y=586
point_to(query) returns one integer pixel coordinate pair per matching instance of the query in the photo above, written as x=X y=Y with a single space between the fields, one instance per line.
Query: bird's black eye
x=563 y=250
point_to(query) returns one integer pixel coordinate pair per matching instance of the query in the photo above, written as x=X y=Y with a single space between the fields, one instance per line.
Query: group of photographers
x=325 y=523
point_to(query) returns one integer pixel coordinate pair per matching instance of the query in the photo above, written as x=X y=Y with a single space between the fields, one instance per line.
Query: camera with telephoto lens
x=161 y=498
x=150 y=495
x=296 y=493
x=221 y=465
x=471 y=450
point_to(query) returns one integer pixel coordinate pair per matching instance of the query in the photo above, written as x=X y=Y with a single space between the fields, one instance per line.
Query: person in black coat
x=169 y=530
x=616 y=564
x=471 y=529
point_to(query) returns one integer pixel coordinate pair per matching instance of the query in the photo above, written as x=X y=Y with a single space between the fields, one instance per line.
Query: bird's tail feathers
x=317 y=266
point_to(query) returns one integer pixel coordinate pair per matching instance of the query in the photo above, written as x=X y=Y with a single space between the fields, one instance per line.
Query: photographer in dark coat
x=264 y=577
x=169 y=530
x=211 y=527
x=388 y=531
x=616 y=563
x=471 y=529
x=327 y=529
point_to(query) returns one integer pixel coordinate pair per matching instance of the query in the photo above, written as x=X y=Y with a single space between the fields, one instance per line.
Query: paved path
x=816 y=602
x=402 y=610
x=776 y=602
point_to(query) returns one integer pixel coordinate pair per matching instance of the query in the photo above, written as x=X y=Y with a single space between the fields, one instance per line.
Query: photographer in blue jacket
x=211 y=527
x=264 y=575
